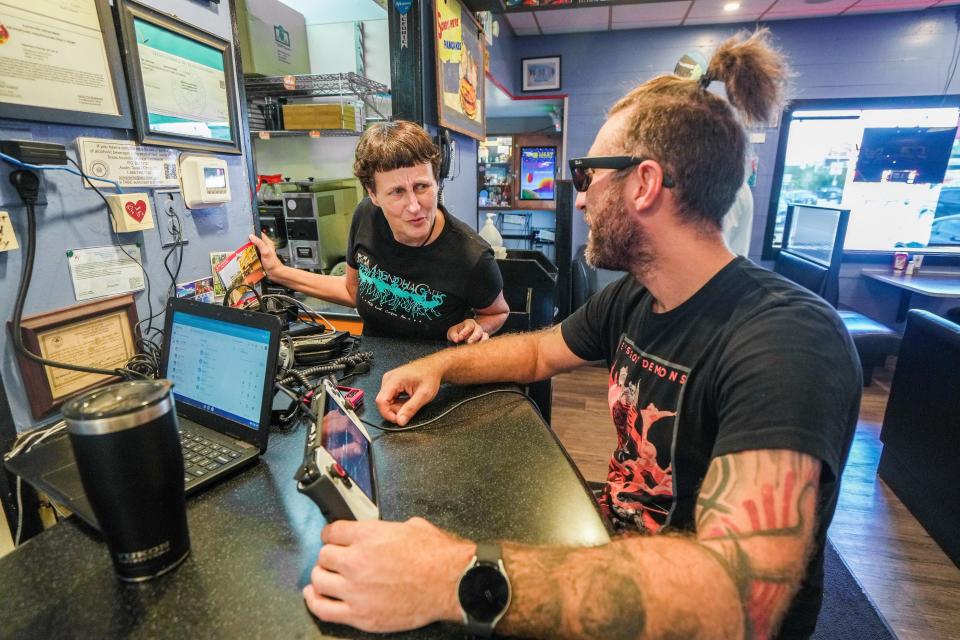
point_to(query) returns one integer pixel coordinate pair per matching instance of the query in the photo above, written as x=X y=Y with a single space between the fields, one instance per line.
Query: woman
x=413 y=270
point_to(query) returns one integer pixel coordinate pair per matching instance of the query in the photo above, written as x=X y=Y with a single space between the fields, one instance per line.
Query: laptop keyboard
x=202 y=456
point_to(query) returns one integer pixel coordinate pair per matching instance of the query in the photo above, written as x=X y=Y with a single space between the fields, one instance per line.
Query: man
x=734 y=392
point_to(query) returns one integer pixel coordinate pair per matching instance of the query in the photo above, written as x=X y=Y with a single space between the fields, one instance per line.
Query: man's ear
x=644 y=185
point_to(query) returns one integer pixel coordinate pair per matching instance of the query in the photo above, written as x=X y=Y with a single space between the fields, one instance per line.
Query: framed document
x=182 y=82
x=60 y=63
x=458 y=41
x=98 y=334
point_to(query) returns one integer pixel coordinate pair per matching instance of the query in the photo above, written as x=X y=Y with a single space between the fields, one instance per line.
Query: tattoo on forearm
x=747 y=505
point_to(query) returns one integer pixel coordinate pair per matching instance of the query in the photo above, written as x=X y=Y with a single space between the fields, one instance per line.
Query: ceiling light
x=731 y=6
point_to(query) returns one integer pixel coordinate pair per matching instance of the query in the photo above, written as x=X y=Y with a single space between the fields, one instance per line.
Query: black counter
x=490 y=469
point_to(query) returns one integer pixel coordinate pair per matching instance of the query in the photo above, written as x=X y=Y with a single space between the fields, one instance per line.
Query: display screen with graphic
x=538 y=171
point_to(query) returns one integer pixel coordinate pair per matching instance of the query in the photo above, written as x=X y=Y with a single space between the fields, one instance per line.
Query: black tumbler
x=126 y=442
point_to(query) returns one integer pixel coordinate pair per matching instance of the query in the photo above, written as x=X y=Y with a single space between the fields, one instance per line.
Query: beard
x=615 y=241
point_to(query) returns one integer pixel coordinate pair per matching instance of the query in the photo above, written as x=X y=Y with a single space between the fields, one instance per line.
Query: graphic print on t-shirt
x=396 y=296
x=644 y=394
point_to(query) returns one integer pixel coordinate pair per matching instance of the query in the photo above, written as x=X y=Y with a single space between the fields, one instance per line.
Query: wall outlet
x=168 y=203
x=8 y=239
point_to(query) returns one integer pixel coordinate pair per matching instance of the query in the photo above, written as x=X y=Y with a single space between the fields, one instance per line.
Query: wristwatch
x=484 y=590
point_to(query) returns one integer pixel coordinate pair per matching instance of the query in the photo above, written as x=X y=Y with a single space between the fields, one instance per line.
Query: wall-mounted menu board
x=59 y=62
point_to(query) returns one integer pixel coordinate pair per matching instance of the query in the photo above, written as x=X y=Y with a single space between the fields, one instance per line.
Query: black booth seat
x=874 y=341
x=921 y=428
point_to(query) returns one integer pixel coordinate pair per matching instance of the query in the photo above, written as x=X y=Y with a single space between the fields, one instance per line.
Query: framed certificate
x=96 y=334
x=182 y=82
x=59 y=62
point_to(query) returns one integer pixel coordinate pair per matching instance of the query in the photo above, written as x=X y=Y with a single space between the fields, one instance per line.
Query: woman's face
x=408 y=197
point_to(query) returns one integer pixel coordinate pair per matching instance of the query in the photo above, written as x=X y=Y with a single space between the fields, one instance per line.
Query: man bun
x=754 y=74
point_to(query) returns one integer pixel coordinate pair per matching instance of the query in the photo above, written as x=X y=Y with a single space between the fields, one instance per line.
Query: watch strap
x=489 y=553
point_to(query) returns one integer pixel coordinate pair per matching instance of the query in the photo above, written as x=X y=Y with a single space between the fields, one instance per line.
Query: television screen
x=912 y=155
x=538 y=169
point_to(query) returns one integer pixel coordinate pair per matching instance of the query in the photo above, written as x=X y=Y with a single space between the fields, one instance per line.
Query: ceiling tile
x=804 y=9
x=522 y=20
x=648 y=24
x=874 y=6
x=569 y=20
x=654 y=11
x=749 y=10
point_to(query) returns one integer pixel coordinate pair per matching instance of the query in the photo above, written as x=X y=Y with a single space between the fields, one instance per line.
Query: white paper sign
x=53 y=56
x=105 y=271
x=127 y=163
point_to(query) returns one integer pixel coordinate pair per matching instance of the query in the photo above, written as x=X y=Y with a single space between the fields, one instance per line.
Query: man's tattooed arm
x=734 y=578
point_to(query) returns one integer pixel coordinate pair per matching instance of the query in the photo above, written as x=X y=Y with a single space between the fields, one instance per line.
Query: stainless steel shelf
x=324 y=85
x=318 y=133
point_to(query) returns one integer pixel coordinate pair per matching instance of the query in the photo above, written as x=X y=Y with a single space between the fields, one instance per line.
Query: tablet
x=337 y=471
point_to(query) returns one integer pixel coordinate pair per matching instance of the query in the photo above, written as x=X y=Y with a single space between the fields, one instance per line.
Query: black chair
x=812 y=258
x=583 y=280
x=529 y=287
x=921 y=428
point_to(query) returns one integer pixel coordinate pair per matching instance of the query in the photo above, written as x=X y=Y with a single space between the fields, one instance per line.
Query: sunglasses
x=581 y=169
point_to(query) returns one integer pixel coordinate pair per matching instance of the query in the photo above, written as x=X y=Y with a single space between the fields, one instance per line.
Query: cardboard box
x=302 y=117
x=130 y=212
x=273 y=38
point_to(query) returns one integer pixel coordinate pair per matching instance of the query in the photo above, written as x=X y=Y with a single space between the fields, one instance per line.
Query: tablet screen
x=348 y=446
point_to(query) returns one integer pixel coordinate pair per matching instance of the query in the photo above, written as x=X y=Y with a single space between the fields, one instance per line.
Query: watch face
x=484 y=593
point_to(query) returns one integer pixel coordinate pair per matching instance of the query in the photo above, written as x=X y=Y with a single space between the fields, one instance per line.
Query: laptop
x=222 y=362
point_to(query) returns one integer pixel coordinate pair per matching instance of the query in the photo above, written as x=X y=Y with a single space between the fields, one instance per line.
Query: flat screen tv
x=915 y=155
x=538 y=172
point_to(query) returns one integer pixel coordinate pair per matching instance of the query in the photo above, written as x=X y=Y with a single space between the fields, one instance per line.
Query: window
x=895 y=164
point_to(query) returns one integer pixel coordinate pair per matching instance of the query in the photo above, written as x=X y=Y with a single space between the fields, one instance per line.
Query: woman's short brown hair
x=386 y=146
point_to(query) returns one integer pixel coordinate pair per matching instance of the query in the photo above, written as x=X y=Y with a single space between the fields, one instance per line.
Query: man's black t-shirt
x=419 y=292
x=751 y=361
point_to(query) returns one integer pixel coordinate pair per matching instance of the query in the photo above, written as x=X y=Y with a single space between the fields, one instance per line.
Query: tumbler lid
x=133 y=402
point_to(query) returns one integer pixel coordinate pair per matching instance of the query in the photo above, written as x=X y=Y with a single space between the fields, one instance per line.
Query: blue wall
x=897 y=54
x=74 y=218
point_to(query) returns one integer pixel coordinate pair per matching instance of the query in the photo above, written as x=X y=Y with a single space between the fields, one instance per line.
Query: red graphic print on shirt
x=644 y=395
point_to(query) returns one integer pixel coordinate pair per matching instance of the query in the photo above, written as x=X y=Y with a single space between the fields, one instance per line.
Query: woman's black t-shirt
x=419 y=292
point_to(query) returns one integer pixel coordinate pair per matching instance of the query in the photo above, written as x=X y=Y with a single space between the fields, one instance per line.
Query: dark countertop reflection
x=490 y=469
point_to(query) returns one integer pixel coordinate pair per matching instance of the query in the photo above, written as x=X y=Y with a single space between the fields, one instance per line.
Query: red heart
x=136 y=210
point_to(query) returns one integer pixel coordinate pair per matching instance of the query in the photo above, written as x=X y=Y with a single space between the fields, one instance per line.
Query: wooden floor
x=915 y=587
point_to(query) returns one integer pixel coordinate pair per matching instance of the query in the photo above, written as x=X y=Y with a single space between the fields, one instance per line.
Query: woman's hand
x=467 y=332
x=268 y=255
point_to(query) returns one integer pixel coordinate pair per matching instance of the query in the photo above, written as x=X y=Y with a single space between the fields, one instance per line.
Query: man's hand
x=419 y=381
x=468 y=332
x=387 y=576
x=268 y=255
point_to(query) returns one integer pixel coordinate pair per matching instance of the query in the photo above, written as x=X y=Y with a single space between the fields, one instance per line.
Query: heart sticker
x=136 y=210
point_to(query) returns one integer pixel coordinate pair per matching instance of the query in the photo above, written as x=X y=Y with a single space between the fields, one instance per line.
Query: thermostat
x=204 y=181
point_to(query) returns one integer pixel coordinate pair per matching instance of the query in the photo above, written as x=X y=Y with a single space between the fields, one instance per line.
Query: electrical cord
x=79 y=172
x=27 y=185
x=226 y=295
x=25 y=442
x=419 y=425
x=116 y=237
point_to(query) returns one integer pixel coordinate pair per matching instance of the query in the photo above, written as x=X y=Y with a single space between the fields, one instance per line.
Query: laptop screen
x=348 y=446
x=218 y=366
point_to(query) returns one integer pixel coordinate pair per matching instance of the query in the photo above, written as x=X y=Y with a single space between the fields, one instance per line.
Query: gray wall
x=897 y=54
x=74 y=218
